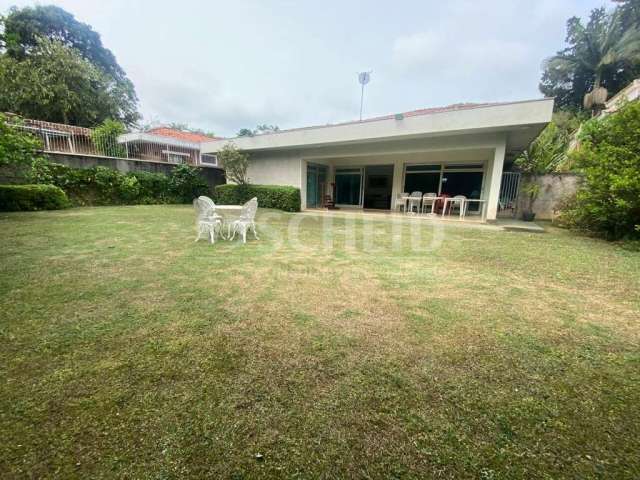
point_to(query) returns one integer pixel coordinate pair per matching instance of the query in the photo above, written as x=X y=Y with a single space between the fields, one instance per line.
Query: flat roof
x=524 y=118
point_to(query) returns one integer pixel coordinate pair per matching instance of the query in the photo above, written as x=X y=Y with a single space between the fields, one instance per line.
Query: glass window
x=423 y=168
x=464 y=166
x=348 y=187
x=209 y=159
x=422 y=182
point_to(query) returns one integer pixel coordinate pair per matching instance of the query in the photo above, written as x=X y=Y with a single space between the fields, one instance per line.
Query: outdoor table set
x=211 y=219
x=432 y=201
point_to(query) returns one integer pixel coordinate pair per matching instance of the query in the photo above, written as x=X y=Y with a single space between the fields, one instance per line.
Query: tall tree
x=55 y=83
x=629 y=12
x=23 y=28
x=604 y=53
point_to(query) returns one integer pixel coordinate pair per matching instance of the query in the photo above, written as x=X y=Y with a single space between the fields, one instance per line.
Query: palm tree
x=598 y=49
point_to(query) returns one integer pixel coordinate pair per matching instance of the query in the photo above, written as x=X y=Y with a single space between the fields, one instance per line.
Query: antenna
x=363 y=79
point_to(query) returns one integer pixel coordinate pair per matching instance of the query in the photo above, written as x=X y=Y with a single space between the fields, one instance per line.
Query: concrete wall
x=213 y=176
x=275 y=168
x=555 y=188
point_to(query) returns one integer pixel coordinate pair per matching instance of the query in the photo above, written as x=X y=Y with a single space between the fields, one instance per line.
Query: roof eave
x=507 y=116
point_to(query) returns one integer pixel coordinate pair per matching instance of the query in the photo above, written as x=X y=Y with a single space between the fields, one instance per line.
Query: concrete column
x=303 y=184
x=396 y=186
x=494 y=180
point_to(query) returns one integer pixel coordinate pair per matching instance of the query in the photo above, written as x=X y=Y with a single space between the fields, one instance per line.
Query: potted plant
x=531 y=190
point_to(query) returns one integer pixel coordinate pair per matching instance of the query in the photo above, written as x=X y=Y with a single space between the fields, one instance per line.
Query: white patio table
x=481 y=203
x=227 y=211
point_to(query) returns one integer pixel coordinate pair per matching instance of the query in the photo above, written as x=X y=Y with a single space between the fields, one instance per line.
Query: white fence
x=68 y=139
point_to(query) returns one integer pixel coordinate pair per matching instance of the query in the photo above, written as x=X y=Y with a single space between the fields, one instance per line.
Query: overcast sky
x=224 y=65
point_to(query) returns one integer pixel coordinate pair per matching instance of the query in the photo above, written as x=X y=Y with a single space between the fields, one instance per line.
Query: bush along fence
x=32 y=197
x=269 y=196
x=105 y=186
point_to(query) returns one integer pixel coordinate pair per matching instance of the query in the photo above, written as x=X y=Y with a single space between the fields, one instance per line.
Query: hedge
x=106 y=186
x=15 y=198
x=269 y=196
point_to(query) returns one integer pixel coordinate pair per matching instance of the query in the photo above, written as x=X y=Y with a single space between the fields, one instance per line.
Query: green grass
x=129 y=351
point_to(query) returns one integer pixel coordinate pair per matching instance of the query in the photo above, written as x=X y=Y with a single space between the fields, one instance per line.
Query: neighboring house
x=170 y=145
x=629 y=93
x=455 y=150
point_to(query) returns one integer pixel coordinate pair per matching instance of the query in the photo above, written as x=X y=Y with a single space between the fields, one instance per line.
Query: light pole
x=363 y=79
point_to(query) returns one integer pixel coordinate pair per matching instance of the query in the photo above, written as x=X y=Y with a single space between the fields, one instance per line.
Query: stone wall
x=554 y=189
x=214 y=176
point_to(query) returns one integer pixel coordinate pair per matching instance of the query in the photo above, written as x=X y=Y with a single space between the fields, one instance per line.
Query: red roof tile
x=182 y=135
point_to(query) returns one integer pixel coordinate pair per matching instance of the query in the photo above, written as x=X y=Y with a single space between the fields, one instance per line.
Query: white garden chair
x=245 y=222
x=429 y=200
x=207 y=220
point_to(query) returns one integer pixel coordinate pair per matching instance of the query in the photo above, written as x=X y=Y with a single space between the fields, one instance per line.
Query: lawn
x=129 y=351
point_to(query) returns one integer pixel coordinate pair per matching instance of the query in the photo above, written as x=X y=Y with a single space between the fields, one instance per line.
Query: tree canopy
x=55 y=83
x=259 y=130
x=603 y=53
x=34 y=36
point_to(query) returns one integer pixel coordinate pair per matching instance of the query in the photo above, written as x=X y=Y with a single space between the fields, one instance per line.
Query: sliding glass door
x=349 y=187
x=316 y=185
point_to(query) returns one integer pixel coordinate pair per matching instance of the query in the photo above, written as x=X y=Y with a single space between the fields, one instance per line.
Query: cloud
x=200 y=100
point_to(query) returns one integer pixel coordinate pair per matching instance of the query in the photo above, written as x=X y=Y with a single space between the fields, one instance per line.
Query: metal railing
x=509 y=189
x=68 y=139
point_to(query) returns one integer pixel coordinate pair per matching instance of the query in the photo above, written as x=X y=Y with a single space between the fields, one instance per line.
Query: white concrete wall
x=289 y=166
x=275 y=168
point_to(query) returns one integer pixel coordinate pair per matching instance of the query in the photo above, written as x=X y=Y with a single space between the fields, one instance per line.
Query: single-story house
x=456 y=150
x=164 y=144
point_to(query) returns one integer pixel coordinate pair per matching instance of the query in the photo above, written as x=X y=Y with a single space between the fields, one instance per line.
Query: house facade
x=457 y=150
x=170 y=145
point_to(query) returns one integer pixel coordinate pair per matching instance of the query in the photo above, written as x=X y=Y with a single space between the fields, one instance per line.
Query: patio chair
x=400 y=203
x=414 y=199
x=459 y=202
x=429 y=200
x=207 y=221
x=245 y=222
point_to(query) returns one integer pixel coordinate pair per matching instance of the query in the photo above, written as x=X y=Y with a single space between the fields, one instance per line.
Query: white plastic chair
x=459 y=202
x=245 y=222
x=414 y=199
x=400 y=202
x=429 y=199
x=207 y=221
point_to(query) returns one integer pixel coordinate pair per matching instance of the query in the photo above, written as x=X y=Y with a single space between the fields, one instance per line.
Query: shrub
x=153 y=187
x=186 y=183
x=18 y=149
x=31 y=197
x=105 y=138
x=269 y=196
x=608 y=202
x=105 y=186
